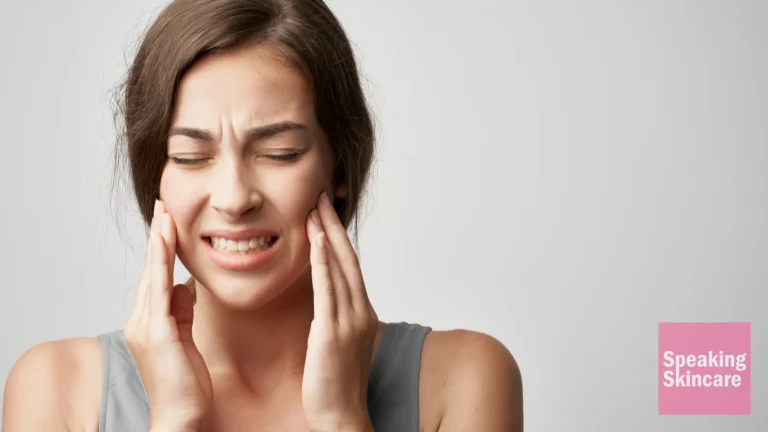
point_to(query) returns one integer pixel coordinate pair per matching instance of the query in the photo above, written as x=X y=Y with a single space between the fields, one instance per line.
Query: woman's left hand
x=341 y=337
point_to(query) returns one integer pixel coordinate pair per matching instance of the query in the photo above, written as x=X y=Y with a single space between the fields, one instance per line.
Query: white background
x=562 y=175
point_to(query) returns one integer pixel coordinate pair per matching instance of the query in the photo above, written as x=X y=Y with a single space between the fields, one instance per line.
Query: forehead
x=252 y=84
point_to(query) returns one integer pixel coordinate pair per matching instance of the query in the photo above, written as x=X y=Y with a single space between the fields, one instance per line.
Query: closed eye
x=188 y=161
x=283 y=157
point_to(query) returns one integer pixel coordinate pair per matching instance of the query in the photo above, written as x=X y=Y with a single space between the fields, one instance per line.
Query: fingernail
x=157 y=208
x=315 y=217
x=320 y=239
x=324 y=196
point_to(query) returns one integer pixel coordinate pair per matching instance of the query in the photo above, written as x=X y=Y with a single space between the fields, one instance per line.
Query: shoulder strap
x=124 y=405
x=393 y=383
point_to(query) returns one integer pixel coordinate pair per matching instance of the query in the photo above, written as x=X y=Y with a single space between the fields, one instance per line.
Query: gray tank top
x=393 y=383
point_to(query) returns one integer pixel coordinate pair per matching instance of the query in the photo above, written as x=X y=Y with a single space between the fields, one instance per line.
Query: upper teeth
x=240 y=246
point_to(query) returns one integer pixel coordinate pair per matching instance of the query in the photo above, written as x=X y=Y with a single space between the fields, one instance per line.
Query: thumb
x=183 y=310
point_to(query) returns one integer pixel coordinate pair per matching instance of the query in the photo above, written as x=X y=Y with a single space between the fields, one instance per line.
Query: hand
x=341 y=337
x=159 y=336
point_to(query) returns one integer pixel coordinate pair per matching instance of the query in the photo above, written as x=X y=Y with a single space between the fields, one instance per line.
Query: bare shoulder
x=470 y=381
x=55 y=385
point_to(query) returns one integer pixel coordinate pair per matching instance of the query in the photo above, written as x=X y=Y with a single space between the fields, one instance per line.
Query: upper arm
x=486 y=390
x=45 y=390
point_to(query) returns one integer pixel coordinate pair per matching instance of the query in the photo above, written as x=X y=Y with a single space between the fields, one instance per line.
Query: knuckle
x=321 y=260
x=349 y=334
x=362 y=323
x=332 y=339
x=130 y=338
x=352 y=260
x=158 y=333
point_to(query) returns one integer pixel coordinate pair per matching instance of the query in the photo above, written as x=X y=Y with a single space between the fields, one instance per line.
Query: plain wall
x=562 y=175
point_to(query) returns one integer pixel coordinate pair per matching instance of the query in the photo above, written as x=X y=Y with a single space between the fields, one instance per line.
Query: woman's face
x=247 y=162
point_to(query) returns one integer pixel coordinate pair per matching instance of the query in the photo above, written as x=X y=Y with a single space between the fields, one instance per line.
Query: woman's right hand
x=159 y=336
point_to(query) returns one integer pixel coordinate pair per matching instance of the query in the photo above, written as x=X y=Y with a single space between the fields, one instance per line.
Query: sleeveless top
x=393 y=382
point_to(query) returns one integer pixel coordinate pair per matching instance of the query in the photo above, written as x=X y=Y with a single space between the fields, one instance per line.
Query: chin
x=244 y=294
x=250 y=290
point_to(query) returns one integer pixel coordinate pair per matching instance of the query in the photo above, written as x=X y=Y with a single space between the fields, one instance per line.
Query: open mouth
x=241 y=247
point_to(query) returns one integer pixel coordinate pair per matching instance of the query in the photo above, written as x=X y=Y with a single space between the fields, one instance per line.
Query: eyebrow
x=252 y=134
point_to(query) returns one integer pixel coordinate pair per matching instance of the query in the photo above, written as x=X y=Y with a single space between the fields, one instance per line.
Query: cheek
x=296 y=194
x=180 y=196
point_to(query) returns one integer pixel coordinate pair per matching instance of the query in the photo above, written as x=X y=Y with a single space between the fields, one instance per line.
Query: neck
x=259 y=347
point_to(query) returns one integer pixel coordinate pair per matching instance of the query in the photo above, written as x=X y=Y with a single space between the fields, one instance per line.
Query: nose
x=233 y=195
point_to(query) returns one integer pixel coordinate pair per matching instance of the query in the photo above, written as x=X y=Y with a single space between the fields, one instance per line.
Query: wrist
x=362 y=427
x=178 y=426
x=175 y=428
x=356 y=423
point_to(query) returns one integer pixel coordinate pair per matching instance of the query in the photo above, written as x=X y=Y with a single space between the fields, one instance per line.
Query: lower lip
x=241 y=262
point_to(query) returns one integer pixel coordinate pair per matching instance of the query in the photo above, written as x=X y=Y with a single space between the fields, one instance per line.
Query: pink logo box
x=704 y=368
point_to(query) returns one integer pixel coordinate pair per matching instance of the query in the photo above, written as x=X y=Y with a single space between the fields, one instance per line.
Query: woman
x=249 y=143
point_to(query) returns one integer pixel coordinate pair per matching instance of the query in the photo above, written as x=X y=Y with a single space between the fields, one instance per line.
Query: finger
x=159 y=289
x=142 y=296
x=344 y=305
x=322 y=284
x=148 y=286
x=344 y=252
x=339 y=284
x=183 y=310
x=168 y=230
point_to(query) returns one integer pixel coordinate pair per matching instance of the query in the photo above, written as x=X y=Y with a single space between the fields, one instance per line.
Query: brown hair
x=307 y=34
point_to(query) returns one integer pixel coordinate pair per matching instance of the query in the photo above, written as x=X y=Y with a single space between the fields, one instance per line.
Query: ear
x=341 y=191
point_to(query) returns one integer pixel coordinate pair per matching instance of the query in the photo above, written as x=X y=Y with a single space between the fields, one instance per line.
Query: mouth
x=244 y=254
x=241 y=247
